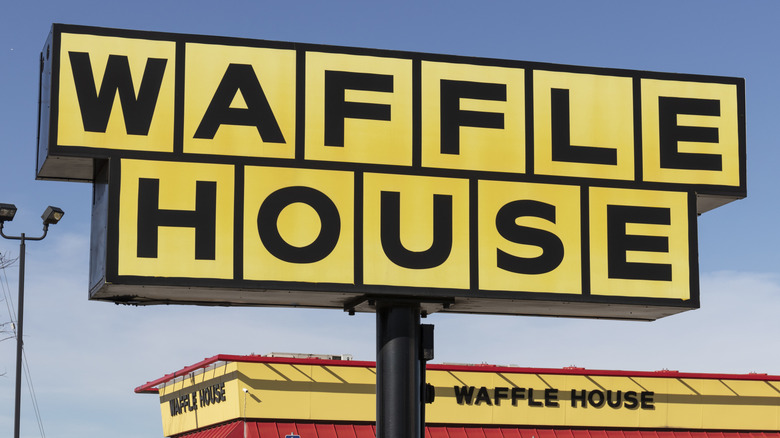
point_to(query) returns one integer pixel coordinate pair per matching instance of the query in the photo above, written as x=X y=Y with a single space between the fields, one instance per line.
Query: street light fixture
x=7 y=212
x=52 y=215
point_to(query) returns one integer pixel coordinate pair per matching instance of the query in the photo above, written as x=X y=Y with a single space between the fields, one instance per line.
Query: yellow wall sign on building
x=226 y=387
x=248 y=172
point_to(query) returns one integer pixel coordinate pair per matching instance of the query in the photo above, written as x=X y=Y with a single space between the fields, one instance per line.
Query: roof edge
x=151 y=387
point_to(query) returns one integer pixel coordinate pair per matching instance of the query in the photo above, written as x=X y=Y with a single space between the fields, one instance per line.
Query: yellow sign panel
x=176 y=220
x=689 y=130
x=336 y=173
x=411 y=110
x=415 y=231
x=298 y=225
x=583 y=125
x=536 y=243
x=326 y=226
x=249 y=109
x=639 y=243
x=358 y=109
x=315 y=390
x=116 y=93
x=471 y=117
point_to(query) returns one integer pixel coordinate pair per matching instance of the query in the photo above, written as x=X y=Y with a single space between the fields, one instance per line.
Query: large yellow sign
x=266 y=173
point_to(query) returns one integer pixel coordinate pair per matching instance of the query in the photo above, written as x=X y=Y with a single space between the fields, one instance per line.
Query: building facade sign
x=248 y=172
x=313 y=390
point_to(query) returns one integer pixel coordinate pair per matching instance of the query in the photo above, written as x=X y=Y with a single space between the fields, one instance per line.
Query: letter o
x=268 y=217
x=596 y=398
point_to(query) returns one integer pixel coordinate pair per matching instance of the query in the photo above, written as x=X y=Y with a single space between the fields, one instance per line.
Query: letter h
x=151 y=217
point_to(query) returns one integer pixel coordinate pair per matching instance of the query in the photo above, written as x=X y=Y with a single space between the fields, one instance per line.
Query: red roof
x=268 y=429
x=151 y=387
x=272 y=429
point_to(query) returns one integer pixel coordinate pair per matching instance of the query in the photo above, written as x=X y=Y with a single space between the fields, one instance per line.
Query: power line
x=28 y=377
x=6 y=293
x=25 y=366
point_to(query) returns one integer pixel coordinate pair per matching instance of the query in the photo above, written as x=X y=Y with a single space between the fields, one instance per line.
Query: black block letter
x=619 y=242
x=670 y=133
x=452 y=117
x=240 y=78
x=151 y=217
x=562 y=149
x=268 y=217
x=390 y=231
x=552 y=247
x=337 y=108
x=96 y=107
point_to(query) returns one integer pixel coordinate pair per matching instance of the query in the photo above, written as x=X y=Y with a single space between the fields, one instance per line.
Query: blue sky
x=86 y=357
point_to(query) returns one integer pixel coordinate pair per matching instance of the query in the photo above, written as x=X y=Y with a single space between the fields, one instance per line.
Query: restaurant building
x=324 y=396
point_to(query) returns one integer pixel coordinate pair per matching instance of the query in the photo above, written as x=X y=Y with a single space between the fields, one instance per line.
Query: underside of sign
x=247 y=172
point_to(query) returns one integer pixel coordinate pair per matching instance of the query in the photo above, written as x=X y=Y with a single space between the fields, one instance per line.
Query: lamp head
x=52 y=215
x=7 y=212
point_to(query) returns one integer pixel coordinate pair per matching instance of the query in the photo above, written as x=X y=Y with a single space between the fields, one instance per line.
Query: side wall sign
x=306 y=390
x=248 y=172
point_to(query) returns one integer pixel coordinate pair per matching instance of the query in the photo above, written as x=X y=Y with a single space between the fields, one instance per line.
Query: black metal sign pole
x=398 y=380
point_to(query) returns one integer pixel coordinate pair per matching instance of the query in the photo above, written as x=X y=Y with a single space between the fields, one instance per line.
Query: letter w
x=96 y=106
x=464 y=394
